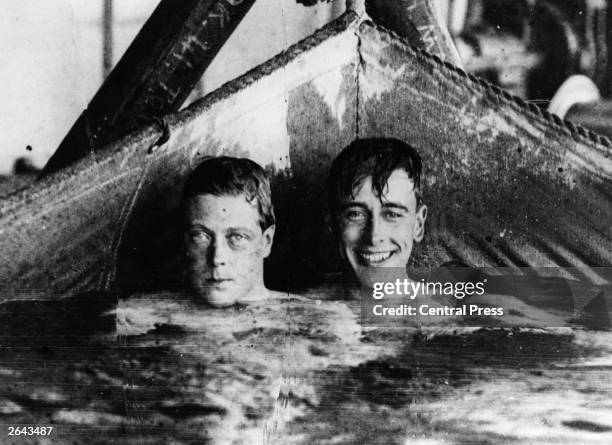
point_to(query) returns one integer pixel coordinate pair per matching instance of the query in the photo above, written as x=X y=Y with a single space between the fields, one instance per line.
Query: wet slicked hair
x=232 y=176
x=375 y=157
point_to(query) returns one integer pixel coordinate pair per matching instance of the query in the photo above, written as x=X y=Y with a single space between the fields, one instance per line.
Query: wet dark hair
x=375 y=157
x=232 y=176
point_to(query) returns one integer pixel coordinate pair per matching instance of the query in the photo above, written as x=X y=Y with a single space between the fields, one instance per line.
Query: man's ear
x=419 y=229
x=267 y=240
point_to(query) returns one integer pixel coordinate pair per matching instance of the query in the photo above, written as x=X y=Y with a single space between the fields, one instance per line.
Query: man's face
x=225 y=248
x=380 y=232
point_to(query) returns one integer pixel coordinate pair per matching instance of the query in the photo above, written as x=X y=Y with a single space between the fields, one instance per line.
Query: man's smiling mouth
x=374 y=258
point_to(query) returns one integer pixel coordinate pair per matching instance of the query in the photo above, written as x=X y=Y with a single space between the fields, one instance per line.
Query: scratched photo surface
x=100 y=340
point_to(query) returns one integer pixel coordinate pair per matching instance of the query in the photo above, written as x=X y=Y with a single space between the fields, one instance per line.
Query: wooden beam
x=418 y=22
x=155 y=75
x=107 y=30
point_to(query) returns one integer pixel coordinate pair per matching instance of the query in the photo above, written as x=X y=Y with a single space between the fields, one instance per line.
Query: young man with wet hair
x=228 y=232
x=375 y=204
x=377 y=214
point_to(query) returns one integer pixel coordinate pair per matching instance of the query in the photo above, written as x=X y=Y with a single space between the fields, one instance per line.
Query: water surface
x=158 y=368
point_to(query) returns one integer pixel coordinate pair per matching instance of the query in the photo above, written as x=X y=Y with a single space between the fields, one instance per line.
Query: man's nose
x=375 y=231
x=218 y=253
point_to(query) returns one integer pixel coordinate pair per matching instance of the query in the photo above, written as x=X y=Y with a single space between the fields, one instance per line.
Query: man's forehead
x=239 y=196
x=399 y=185
x=225 y=204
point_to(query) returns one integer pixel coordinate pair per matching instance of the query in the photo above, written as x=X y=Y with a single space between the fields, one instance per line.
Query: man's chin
x=221 y=301
x=368 y=275
x=215 y=298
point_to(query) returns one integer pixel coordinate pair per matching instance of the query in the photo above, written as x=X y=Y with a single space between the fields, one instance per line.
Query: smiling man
x=375 y=203
x=229 y=229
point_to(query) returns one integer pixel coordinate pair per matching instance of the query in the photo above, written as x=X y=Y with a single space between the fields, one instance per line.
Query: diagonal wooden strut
x=155 y=75
x=418 y=22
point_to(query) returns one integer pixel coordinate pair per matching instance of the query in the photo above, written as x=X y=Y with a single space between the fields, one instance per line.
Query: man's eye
x=237 y=238
x=354 y=215
x=390 y=214
x=199 y=236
